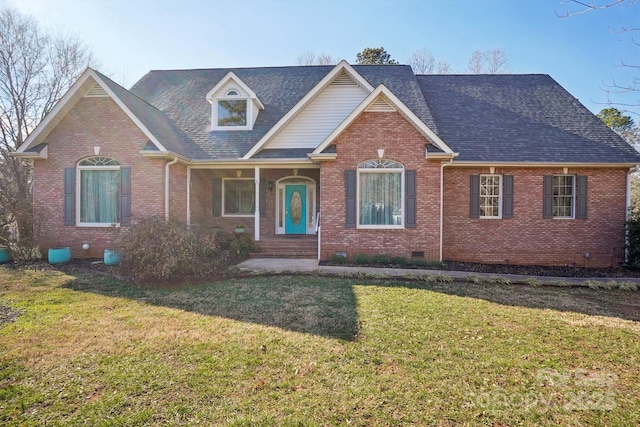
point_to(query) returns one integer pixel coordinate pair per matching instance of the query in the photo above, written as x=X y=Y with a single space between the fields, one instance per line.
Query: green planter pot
x=111 y=257
x=5 y=255
x=59 y=255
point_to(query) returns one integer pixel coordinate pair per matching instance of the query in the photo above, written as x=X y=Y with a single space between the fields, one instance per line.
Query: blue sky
x=131 y=37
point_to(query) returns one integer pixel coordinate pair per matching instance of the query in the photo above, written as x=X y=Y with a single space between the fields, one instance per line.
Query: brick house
x=324 y=159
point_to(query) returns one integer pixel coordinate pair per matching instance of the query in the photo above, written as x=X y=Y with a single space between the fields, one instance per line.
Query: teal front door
x=295 y=209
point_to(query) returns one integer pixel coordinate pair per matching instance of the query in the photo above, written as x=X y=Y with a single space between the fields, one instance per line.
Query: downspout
x=442 y=166
x=166 y=187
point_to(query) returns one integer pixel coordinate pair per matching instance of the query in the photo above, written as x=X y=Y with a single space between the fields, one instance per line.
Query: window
x=490 y=196
x=239 y=197
x=232 y=112
x=563 y=196
x=99 y=191
x=380 y=194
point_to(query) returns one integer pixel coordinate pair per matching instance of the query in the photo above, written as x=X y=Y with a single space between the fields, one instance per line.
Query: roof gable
x=91 y=83
x=341 y=74
x=383 y=100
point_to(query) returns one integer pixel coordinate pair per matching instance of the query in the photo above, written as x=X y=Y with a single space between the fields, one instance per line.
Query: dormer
x=234 y=106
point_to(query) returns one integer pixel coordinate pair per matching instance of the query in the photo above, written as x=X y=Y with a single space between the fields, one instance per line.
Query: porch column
x=256 y=214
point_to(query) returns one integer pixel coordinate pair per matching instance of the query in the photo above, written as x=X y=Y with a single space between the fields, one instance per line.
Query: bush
x=360 y=259
x=399 y=260
x=380 y=259
x=157 y=249
x=633 y=240
x=338 y=260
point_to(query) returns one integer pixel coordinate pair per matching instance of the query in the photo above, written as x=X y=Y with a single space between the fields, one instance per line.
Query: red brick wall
x=402 y=143
x=94 y=122
x=527 y=238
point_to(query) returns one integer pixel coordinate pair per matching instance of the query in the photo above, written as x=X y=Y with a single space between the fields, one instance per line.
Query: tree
x=613 y=118
x=491 y=61
x=36 y=69
x=310 y=58
x=423 y=62
x=614 y=88
x=374 y=56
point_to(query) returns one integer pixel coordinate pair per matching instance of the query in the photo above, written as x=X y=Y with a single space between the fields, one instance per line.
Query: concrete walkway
x=278 y=265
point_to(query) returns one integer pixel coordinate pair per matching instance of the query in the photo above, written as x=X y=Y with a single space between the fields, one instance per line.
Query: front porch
x=278 y=206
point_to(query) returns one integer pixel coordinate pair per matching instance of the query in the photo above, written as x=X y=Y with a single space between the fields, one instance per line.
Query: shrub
x=399 y=260
x=157 y=249
x=633 y=240
x=381 y=259
x=360 y=259
x=338 y=259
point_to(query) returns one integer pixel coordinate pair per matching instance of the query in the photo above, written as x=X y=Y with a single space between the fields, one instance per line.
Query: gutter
x=166 y=187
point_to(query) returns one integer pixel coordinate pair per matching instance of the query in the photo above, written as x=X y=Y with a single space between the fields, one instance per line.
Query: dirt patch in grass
x=7 y=314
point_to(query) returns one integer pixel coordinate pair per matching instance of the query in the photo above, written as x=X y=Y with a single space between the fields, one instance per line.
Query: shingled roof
x=485 y=118
x=519 y=118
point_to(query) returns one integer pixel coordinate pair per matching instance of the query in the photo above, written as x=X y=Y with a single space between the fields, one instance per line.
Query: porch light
x=270 y=186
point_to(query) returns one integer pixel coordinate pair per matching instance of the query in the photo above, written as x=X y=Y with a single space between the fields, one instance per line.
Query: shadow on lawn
x=594 y=302
x=312 y=305
x=327 y=307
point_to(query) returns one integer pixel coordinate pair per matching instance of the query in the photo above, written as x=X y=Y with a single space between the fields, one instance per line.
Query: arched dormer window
x=98 y=192
x=380 y=194
x=234 y=105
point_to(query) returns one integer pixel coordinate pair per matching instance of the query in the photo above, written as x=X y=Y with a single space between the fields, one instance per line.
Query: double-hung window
x=239 y=197
x=380 y=194
x=490 y=196
x=563 y=196
x=98 y=191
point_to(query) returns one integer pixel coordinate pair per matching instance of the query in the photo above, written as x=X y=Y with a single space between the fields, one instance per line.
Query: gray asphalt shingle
x=519 y=118
x=500 y=118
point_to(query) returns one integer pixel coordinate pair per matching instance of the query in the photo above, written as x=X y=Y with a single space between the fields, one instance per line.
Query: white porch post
x=256 y=221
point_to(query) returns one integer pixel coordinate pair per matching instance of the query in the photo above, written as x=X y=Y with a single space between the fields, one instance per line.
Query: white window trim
x=78 y=190
x=402 y=198
x=227 y=97
x=500 y=195
x=573 y=197
x=224 y=198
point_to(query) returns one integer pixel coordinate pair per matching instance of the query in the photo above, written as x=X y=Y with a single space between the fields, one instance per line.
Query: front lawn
x=304 y=350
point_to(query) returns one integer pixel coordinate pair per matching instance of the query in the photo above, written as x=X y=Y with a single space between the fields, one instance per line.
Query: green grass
x=296 y=350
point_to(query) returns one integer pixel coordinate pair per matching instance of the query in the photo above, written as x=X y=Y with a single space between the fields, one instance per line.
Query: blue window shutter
x=350 y=196
x=263 y=198
x=581 y=197
x=547 y=200
x=217 y=197
x=507 y=196
x=410 y=198
x=125 y=195
x=69 y=196
x=474 y=196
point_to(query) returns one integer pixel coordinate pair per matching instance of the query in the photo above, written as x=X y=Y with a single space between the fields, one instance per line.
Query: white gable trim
x=342 y=65
x=393 y=101
x=65 y=104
